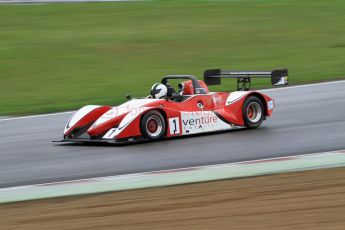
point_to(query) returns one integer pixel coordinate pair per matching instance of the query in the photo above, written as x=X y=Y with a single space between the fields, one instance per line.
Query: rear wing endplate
x=213 y=77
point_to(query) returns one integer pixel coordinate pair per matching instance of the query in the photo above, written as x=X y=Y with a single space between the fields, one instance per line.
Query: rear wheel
x=153 y=125
x=253 y=112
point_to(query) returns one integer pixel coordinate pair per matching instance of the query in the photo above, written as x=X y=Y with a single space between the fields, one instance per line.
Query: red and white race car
x=168 y=113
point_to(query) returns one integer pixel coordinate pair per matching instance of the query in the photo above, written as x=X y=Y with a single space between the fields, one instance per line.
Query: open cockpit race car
x=192 y=109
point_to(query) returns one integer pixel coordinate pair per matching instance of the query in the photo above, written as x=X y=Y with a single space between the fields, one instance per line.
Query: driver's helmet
x=159 y=90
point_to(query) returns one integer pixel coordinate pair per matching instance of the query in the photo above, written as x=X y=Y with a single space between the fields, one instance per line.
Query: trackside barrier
x=174 y=176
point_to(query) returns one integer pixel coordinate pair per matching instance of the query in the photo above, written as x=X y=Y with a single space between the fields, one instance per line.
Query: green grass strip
x=57 y=57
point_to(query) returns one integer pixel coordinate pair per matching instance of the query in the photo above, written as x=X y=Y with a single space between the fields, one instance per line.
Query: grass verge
x=58 y=57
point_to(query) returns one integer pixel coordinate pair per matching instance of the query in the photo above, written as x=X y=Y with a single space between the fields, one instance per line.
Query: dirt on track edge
x=300 y=200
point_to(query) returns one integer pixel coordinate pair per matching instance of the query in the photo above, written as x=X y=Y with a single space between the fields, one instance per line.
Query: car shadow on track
x=145 y=142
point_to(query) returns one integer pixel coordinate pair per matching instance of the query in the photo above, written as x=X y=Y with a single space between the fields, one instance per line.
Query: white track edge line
x=35 y=116
x=304 y=85
x=141 y=174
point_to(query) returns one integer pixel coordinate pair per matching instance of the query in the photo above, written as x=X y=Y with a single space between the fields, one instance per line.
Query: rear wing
x=213 y=77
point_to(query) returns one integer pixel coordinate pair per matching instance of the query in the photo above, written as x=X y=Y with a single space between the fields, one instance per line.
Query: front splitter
x=100 y=141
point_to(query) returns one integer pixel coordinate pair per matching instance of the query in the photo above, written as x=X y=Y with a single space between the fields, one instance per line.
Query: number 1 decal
x=174 y=125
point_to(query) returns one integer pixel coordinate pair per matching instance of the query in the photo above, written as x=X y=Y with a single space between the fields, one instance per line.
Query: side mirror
x=128 y=96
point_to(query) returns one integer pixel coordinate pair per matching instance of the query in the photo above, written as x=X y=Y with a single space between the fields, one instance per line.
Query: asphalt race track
x=307 y=119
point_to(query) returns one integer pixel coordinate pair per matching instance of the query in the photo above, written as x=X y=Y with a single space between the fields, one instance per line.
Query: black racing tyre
x=253 y=112
x=153 y=125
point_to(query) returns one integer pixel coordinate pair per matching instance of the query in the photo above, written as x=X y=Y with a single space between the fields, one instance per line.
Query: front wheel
x=253 y=112
x=153 y=125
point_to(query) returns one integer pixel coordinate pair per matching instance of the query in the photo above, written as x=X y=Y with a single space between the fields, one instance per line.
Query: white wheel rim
x=154 y=120
x=254 y=112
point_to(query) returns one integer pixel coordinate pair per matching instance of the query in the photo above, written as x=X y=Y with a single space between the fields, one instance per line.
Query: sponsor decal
x=174 y=125
x=203 y=121
x=216 y=99
x=200 y=121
